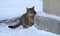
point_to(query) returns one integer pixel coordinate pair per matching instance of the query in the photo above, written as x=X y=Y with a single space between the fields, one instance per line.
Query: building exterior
x=51 y=7
x=47 y=24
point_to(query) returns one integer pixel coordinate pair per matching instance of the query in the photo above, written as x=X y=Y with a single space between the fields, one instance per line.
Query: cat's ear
x=33 y=7
x=26 y=7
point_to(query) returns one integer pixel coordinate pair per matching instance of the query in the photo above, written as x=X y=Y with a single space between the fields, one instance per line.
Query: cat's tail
x=14 y=26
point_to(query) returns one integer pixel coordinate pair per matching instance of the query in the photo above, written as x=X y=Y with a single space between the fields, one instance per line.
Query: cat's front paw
x=25 y=27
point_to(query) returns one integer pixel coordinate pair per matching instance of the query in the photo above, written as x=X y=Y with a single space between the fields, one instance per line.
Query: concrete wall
x=52 y=7
x=47 y=24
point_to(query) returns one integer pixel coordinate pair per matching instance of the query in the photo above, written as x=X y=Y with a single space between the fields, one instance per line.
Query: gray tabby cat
x=26 y=20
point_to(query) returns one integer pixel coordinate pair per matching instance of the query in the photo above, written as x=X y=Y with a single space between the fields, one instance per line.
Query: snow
x=14 y=8
x=18 y=7
x=41 y=13
x=32 y=31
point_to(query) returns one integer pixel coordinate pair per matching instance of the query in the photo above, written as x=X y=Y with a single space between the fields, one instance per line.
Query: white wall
x=52 y=7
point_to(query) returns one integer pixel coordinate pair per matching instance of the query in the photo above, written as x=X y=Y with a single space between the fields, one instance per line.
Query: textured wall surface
x=47 y=24
x=52 y=7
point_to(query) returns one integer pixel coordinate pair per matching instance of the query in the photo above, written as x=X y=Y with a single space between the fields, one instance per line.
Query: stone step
x=47 y=24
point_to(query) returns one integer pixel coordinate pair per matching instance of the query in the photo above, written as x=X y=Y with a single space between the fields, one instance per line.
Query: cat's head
x=31 y=11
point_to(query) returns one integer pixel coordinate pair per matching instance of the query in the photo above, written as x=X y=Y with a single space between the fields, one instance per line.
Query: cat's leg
x=15 y=26
x=30 y=24
x=24 y=26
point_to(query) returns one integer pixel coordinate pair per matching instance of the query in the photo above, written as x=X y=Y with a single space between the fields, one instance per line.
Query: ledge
x=47 y=24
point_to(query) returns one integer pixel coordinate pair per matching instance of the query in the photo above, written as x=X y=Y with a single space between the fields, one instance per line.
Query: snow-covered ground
x=32 y=31
x=14 y=8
